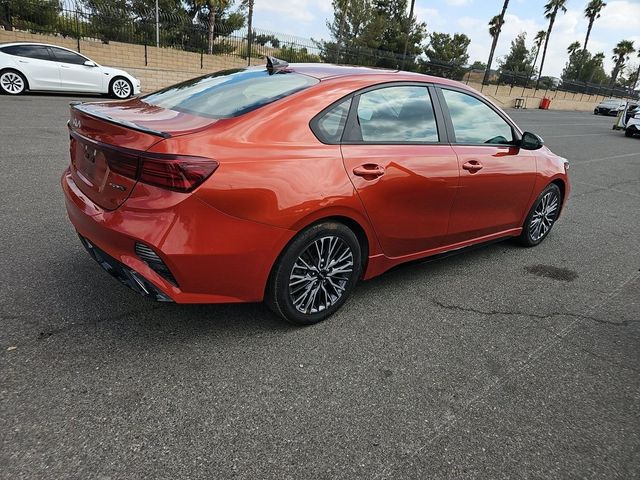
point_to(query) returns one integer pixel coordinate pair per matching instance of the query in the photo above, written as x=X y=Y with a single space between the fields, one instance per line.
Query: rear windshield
x=229 y=93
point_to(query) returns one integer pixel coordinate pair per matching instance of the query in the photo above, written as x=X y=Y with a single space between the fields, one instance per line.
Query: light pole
x=157 y=25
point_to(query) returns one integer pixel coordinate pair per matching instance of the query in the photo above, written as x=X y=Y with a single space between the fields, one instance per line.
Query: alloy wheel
x=544 y=215
x=121 y=88
x=12 y=83
x=320 y=275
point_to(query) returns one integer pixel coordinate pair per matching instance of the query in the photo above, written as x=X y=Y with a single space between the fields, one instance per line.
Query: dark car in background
x=610 y=106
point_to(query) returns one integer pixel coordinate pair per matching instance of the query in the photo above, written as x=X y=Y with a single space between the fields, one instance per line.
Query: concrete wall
x=505 y=96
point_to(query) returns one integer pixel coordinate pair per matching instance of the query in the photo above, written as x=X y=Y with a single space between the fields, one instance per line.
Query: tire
x=120 y=88
x=534 y=231
x=12 y=82
x=628 y=132
x=595 y=112
x=304 y=291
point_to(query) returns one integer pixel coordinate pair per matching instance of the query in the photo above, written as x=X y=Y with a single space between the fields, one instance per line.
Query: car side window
x=39 y=52
x=397 y=114
x=475 y=122
x=66 y=56
x=330 y=126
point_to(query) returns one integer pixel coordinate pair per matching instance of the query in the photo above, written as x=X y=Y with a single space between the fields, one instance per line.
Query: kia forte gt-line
x=289 y=184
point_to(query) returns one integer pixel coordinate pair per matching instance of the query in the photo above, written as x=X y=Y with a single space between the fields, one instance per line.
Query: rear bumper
x=215 y=258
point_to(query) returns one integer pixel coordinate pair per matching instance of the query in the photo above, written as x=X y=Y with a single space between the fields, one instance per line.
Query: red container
x=545 y=103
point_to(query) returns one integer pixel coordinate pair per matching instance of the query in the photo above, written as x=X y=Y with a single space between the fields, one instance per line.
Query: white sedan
x=42 y=67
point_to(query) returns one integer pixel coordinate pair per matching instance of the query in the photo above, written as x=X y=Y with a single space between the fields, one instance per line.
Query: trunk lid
x=103 y=135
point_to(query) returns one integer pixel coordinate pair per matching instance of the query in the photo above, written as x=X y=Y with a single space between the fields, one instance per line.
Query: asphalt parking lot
x=501 y=362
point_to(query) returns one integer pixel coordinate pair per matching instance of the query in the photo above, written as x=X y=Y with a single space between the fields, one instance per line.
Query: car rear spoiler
x=87 y=110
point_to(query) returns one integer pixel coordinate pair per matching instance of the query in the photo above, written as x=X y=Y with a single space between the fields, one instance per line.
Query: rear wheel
x=120 y=88
x=629 y=132
x=595 y=112
x=315 y=274
x=12 y=82
x=542 y=216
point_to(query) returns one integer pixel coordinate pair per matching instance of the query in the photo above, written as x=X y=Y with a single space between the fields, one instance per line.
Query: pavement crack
x=538 y=316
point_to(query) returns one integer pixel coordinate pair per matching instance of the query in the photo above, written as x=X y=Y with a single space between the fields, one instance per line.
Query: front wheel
x=541 y=217
x=628 y=132
x=12 y=82
x=315 y=274
x=121 y=88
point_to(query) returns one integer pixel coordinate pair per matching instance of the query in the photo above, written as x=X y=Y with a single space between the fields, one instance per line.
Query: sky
x=620 y=20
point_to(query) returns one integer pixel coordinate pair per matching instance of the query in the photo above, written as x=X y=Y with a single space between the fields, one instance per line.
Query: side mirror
x=89 y=63
x=531 y=141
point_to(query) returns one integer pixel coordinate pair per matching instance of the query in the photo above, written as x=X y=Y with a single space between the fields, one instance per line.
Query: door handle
x=369 y=171
x=64 y=66
x=472 y=166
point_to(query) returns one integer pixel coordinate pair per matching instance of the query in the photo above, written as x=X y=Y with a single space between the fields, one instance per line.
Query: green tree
x=551 y=10
x=218 y=19
x=621 y=54
x=478 y=65
x=518 y=60
x=495 y=27
x=447 y=55
x=32 y=15
x=578 y=58
x=110 y=21
x=360 y=26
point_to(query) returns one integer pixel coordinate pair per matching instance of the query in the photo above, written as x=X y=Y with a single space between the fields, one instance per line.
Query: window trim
x=443 y=138
x=515 y=130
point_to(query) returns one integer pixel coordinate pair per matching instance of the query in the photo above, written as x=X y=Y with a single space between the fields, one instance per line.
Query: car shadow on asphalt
x=112 y=308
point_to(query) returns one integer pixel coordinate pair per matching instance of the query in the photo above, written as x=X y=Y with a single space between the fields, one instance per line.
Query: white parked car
x=42 y=67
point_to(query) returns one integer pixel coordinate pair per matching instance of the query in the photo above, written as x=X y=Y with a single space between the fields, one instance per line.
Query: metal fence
x=118 y=20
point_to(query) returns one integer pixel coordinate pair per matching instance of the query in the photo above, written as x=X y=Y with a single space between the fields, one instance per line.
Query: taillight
x=181 y=173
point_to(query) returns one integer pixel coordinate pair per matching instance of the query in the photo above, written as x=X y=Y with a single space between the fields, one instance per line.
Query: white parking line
x=580 y=135
x=613 y=157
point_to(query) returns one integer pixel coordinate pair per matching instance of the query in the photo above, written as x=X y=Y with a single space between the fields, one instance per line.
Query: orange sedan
x=291 y=183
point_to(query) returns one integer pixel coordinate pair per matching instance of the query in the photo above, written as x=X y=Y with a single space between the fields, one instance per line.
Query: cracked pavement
x=500 y=362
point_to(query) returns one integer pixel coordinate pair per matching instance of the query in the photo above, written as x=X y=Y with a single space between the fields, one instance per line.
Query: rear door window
x=397 y=114
x=39 y=52
x=229 y=93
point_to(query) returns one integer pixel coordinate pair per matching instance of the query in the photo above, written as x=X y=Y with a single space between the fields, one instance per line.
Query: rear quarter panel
x=273 y=169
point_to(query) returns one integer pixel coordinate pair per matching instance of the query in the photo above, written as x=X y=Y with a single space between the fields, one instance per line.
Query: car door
x=37 y=63
x=496 y=176
x=398 y=160
x=75 y=75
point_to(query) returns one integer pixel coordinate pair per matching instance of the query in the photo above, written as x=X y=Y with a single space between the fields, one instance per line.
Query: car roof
x=323 y=71
x=11 y=44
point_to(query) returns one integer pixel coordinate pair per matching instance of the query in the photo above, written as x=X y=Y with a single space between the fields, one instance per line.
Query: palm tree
x=596 y=61
x=537 y=43
x=212 y=6
x=495 y=27
x=550 y=12
x=592 y=12
x=409 y=25
x=621 y=55
x=573 y=48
